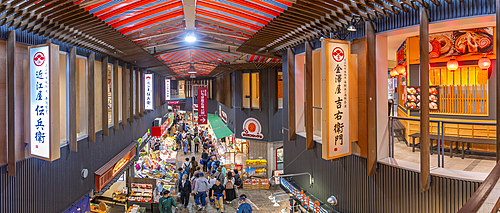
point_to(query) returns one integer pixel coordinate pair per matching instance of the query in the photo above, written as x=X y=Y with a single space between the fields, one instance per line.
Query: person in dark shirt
x=219 y=192
x=185 y=190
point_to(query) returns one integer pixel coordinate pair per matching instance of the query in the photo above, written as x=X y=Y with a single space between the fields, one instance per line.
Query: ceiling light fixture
x=192 y=69
x=190 y=37
x=354 y=21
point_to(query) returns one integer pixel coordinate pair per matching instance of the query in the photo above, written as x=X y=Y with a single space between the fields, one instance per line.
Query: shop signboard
x=44 y=101
x=202 y=105
x=312 y=205
x=335 y=118
x=252 y=129
x=173 y=102
x=167 y=89
x=222 y=115
x=111 y=169
x=149 y=92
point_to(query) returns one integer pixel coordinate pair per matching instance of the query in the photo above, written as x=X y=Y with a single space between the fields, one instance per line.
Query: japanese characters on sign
x=337 y=111
x=148 y=88
x=167 y=89
x=202 y=105
x=40 y=102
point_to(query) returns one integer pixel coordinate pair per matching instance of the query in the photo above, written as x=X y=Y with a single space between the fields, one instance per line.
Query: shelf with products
x=256 y=167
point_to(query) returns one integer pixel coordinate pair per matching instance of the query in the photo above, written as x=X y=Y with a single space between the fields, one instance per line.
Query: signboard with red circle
x=39 y=59
x=338 y=54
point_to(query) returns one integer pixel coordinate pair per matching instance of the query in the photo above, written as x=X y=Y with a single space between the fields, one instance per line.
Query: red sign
x=173 y=102
x=39 y=59
x=202 y=105
x=338 y=54
x=156 y=131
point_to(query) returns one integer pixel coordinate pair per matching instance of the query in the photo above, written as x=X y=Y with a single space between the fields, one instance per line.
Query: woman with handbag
x=229 y=185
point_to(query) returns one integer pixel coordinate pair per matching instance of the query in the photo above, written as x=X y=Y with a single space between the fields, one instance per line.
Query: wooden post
x=291 y=94
x=371 y=98
x=498 y=77
x=124 y=95
x=73 y=143
x=141 y=78
x=116 y=103
x=138 y=95
x=309 y=97
x=91 y=97
x=11 y=95
x=104 y=98
x=424 y=106
x=131 y=92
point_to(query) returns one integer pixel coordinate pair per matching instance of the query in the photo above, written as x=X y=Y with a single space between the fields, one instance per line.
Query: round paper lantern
x=452 y=65
x=400 y=69
x=484 y=63
x=393 y=73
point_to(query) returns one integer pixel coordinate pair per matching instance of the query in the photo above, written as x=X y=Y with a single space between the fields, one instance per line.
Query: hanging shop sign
x=202 y=105
x=461 y=42
x=307 y=203
x=167 y=89
x=252 y=129
x=402 y=54
x=335 y=67
x=149 y=92
x=44 y=102
x=222 y=115
x=173 y=102
x=107 y=172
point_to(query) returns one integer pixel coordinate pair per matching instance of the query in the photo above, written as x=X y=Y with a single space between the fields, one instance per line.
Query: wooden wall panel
x=10 y=99
x=308 y=93
x=116 y=99
x=371 y=99
x=3 y=104
x=291 y=94
x=91 y=99
x=131 y=93
x=125 y=103
x=358 y=47
x=72 y=138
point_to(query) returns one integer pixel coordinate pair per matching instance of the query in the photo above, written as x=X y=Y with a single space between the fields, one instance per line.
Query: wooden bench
x=451 y=139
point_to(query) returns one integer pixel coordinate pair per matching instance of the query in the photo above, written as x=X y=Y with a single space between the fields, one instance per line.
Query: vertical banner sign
x=148 y=87
x=202 y=105
x=44 y=141
x=335 y=72
x=40 y=104
x=167 y=89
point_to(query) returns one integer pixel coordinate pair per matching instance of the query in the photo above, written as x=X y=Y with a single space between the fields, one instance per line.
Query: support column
x=104 y=97
x=11 y=94
x=116 y=103
x=498 y=77
x=124 y=95
x=291 y=94
x=371 y=98
x=309 y=97
x=131 y=92
x=73 y=143
x=424 y=106
x=138 y=95
x=91 y=97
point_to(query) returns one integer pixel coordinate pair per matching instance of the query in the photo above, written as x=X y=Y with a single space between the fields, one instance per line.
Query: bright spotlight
x=190 y=38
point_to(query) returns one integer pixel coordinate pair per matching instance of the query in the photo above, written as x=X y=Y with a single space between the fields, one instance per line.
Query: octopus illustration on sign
x=252 y=129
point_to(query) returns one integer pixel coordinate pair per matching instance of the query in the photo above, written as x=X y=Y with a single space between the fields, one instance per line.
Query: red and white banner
x=202 y=105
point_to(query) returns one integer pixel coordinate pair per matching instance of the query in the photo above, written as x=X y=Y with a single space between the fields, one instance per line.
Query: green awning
x=217 y=124
x=222 y=132
x=212 y=117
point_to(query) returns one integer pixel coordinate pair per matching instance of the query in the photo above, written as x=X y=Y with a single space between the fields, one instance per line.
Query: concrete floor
x=473 y=163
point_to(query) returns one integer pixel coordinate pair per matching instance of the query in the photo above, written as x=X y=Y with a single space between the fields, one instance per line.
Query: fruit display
x=256 y=162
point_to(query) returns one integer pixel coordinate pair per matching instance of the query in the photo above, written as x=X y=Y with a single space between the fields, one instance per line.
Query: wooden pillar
x=11 y=95
x=498 y=77
x=138 y=95
x=251 y=92
x=425 y=158
x=371 y=98
x=309 y=97
x=291 y=94
x=116 y=103
x=242 y=94
x=104 y=98
x=124 y=95
x=131 y=92
x=73 y=143
x=91 y=97
x=141 y=78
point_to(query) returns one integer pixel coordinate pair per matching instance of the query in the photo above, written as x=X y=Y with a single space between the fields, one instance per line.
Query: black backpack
x=237 y=180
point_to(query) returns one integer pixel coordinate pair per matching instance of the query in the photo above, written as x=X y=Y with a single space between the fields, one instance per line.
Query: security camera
x=332 y=200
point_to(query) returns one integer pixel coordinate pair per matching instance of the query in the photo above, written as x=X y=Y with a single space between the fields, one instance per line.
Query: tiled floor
x=473 y=163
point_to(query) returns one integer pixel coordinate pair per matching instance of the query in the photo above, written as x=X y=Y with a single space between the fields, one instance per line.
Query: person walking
x=200 y=190
x=211 y=182
x=219 y=176
x=166 y=202
x=219 y=192
x=194 y=165
x=181 y=173
x=229 y=185
x=237 y=181
x=185 y=146
x=204 y=156
x=210 y=165
x=187 y=166
x=185 y=189
x=189 y=139
x=196 y=143
x=247 y=200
